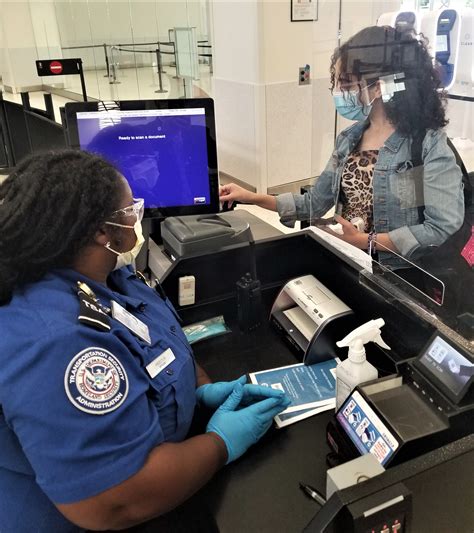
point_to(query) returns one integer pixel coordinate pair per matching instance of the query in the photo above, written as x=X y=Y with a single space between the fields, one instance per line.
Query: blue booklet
x=311 y=388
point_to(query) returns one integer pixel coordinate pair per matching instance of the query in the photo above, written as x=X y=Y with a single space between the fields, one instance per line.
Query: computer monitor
x=166 y=149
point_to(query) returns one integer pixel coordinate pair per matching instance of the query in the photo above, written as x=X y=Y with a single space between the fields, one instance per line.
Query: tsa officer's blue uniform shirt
x=79 y=411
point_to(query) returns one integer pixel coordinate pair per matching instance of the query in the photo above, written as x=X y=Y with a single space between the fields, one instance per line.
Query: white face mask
x=128 y=258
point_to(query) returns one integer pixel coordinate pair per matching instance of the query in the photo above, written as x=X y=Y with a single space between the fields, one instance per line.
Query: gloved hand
x=212 y=395
x=240 y=429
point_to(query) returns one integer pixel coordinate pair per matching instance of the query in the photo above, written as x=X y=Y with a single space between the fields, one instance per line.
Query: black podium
x=260 y=492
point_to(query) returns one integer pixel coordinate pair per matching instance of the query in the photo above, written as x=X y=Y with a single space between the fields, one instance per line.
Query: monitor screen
x=365 y=429
x=165 y=149
x=450 y=368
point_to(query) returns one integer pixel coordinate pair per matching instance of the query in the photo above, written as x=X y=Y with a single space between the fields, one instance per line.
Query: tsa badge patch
x=95 y=381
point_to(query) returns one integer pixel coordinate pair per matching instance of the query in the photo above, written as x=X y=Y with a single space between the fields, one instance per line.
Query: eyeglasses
x=136 y=209
x=351 y=87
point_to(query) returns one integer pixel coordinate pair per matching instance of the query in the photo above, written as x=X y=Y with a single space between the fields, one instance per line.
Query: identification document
x=285 y=419
x=311 y=388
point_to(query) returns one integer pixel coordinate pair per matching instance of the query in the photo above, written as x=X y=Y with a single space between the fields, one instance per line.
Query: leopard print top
x=356 y=186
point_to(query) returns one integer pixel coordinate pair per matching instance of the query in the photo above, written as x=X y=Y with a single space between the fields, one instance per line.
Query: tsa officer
x=98 y=385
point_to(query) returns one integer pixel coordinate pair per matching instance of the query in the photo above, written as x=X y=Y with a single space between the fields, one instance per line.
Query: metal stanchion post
x=176 y=77
x=113 y=67
x=106 y=61
x=48 y=103
x=83 y=81
x=163 y=71
x=158 y=59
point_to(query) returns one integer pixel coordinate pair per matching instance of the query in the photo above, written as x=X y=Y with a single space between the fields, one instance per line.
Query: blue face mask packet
x=206 y=329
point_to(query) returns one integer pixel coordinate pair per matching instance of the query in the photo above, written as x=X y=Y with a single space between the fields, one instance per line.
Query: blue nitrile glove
x=212 y=395
x=240 y=429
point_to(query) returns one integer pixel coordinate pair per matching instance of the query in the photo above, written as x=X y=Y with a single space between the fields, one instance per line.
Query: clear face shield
x=135 y=213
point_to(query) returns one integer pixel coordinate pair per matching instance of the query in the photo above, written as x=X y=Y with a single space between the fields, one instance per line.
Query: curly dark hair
x=50 y=208
x=381 y=50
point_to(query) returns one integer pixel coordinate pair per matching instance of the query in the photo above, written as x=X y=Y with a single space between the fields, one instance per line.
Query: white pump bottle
x=356 y=369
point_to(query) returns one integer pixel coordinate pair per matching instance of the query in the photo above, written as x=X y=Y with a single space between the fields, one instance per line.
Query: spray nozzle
x=355 y=340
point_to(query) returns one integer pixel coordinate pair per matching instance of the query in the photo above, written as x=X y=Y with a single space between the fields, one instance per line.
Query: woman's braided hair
x=51 y=205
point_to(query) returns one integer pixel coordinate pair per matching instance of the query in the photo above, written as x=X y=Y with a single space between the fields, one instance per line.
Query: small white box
x=187 y=290
x=351 y=473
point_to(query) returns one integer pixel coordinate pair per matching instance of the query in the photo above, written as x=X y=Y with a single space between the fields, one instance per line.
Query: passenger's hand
x=239 y=429
x=231 y=193
x=212 y=395
x=350 y=233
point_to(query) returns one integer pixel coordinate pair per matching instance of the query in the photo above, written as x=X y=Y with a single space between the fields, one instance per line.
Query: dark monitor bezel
x=72 y=108
x=431 y=376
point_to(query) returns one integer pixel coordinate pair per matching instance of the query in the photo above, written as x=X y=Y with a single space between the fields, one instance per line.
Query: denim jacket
x=418 y=207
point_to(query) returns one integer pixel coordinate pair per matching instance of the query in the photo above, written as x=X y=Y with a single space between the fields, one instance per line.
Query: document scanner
x=196 y=234
x=311 y=319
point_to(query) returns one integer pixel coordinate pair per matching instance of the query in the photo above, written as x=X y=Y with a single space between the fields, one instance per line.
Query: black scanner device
x=196 y=234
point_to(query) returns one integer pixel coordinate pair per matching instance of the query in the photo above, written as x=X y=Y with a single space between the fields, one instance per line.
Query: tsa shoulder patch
x=95 y=381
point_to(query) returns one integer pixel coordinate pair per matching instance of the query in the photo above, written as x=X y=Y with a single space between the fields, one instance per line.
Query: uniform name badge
x=160 y=362
x=135 y=325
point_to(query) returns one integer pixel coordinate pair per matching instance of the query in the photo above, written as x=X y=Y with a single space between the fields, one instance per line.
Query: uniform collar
x=118 y=277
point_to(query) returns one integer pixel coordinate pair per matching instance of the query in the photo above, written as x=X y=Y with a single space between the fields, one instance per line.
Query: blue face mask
x=348 y=105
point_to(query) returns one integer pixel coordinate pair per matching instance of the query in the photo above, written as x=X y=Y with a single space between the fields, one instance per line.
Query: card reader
x=429 y=403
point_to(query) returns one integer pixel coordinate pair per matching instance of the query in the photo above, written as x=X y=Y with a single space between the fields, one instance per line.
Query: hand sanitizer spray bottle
x=356 y=369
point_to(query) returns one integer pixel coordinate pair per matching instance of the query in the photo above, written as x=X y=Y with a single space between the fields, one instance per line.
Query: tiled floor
x=134 y=84
x=140 y=83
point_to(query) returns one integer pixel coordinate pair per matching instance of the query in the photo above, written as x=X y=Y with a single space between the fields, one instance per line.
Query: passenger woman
x=389 y=85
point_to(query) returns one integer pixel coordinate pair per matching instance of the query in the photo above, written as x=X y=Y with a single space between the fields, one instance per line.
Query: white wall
x=46 y=34
x=299 y=119
x=20 y=54
x=238 y=89
x=2 y=49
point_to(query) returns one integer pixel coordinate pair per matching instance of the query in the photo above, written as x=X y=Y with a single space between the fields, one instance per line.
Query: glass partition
x=390 y=192
x=396 y=179
x=128 y=47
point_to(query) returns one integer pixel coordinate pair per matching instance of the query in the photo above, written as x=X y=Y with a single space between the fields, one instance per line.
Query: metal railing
x=111 y=64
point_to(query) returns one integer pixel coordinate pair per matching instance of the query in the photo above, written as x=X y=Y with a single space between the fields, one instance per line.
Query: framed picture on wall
x=304 y=10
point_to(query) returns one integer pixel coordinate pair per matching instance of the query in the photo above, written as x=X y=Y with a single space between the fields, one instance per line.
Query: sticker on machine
x=95 y=381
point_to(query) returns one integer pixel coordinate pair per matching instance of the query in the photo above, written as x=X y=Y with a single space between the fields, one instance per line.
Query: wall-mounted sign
x=304 y=10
